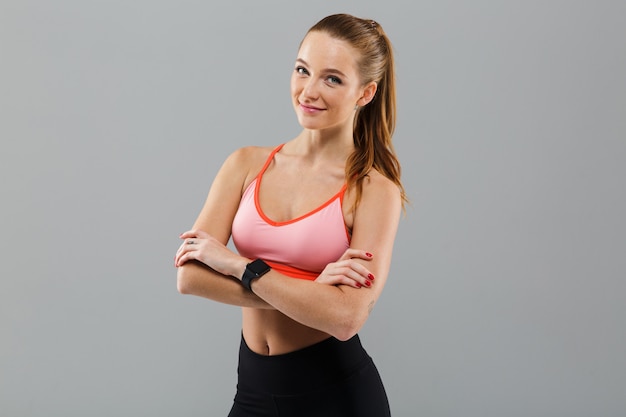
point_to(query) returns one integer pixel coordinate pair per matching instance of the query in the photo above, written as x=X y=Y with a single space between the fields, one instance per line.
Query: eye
x=301 y=70
x=334 y=80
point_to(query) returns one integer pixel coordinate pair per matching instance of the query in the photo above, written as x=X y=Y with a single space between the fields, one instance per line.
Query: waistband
x=293 y=272
x=303 y=370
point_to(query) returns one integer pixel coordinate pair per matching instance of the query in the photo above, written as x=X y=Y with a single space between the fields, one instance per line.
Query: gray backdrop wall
x=506 y=297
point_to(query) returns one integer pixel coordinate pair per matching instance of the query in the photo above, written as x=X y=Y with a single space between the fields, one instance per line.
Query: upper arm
x=222 y=202
x=374 y=229
x=216 y=219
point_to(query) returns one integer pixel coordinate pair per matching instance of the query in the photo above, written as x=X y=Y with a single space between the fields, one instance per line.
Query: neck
x=334 y=143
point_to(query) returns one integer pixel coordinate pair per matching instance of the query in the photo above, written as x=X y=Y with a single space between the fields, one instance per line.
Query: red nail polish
x=371 y=277
x=358 y=285
x=369 y=255
x=367 y=283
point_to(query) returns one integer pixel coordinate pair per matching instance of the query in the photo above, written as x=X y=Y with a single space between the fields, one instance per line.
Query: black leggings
x=328 y=379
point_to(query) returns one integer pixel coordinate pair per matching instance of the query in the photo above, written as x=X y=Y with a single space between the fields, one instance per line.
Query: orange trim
x=292 y=272
x=345 y=226
x=274 y=223
x=269 y=160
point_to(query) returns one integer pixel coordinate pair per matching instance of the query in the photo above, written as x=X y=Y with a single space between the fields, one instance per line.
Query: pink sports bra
x=299 y=248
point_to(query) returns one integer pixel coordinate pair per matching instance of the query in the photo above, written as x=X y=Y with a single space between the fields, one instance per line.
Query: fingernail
x=367 y=283
x=369 y=255
x=358 y=285
x=371 y=277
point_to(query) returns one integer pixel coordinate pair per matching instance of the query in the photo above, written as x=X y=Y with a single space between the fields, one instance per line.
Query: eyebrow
x=328 y=70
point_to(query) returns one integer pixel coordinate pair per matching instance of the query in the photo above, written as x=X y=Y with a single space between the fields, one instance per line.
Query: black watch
x=255 y=269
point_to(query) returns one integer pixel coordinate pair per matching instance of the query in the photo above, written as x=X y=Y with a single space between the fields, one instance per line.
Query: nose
x=310 y=90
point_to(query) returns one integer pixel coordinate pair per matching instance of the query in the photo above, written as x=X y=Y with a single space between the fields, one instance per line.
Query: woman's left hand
x=202 y=247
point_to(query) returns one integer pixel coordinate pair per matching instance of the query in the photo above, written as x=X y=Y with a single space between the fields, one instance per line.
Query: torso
x=289 y=190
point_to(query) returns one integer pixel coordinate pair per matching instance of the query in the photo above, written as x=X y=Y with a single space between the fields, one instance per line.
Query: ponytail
x=374 y=123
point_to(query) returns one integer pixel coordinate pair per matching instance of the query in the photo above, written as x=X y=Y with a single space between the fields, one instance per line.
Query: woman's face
x=325 y=84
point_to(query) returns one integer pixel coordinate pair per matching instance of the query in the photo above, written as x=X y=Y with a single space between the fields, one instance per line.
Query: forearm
x=196 y=279
x=327 y=308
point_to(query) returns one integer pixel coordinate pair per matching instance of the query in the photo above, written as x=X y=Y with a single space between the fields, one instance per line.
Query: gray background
x=506 y=297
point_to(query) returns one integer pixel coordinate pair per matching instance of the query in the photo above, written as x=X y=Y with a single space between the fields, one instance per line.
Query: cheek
x=294 y=86
x=346 y=101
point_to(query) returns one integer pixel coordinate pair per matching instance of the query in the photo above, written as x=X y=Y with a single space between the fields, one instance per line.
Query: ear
x=368 y=93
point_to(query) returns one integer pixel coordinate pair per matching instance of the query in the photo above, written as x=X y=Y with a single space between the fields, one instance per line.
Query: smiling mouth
x=309 y=109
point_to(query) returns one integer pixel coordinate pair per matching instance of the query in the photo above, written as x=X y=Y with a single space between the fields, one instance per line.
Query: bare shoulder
x=248 y=156
x=380 y=190
x=236 y=173
x=247 y=160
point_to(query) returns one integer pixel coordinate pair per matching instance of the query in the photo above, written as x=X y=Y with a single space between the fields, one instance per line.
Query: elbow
x=182 y=287
x=345 y=335
x=183 y=282
x=348 y=328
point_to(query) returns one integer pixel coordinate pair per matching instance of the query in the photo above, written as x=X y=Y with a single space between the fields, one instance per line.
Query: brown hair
x=375 y=122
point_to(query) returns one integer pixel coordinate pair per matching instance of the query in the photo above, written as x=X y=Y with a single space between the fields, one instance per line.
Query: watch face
x=258 y=267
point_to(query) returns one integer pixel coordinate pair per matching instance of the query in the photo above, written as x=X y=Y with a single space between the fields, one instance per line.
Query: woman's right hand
x=346 y=271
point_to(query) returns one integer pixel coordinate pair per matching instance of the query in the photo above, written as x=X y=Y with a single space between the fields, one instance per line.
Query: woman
x=313 y=221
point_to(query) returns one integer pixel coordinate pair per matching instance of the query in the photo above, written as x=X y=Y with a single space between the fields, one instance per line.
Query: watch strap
x=255 y=269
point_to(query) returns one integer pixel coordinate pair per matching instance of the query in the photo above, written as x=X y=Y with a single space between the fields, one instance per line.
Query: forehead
x=321 y=50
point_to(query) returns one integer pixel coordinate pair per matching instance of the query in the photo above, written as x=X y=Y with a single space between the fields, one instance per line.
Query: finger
x=349 y=282
x=183 y=247
x=187 y=234
x=185 y=257
x=189 y=243
x=200 y=234
x=362 y=271
x=357 y=267
x=345 y=275
x=178 y=252
x=352 y=279
x=352 y=253
x=339 y=280
x=183 y=254
x=180 y=260
x=362 y=277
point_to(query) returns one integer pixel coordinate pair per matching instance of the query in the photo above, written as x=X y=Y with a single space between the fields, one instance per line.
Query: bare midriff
x=270 y=332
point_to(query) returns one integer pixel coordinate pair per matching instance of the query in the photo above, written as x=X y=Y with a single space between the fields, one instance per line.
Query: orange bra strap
x=269 y=159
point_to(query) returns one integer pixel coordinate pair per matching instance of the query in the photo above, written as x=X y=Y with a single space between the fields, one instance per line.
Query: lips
x=310 y=109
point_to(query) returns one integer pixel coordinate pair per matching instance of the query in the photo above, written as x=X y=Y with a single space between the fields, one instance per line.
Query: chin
x=314 y=126
x=307 y=123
